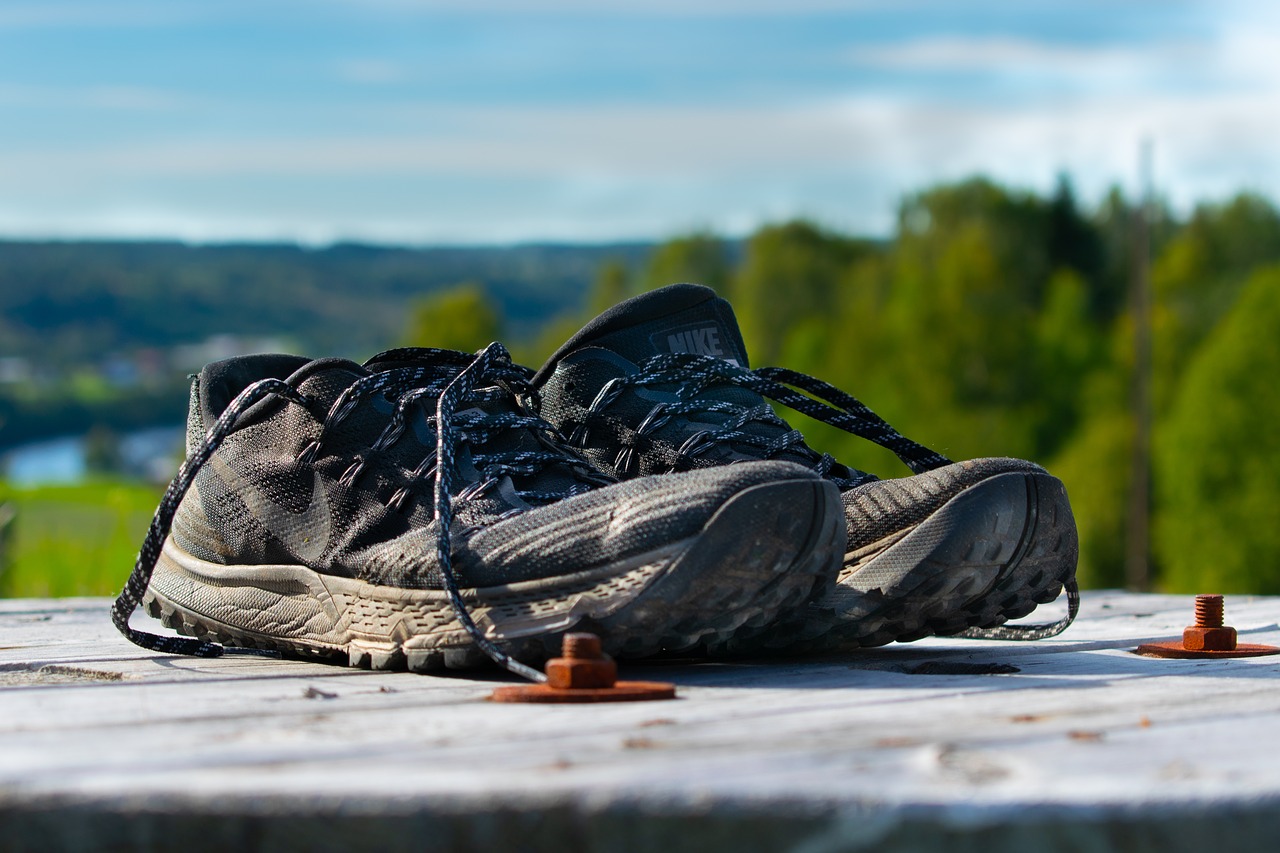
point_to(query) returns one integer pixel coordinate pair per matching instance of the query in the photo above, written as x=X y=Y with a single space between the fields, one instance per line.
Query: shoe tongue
x=676 y=319
x=322 y=365
x=447 y=360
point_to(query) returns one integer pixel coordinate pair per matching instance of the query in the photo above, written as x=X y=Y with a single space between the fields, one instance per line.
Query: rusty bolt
x=1209 y=611
x=1209 y=634
x=583 y=673
x=1207 y=638
x=1198 y=638
x=582 y=664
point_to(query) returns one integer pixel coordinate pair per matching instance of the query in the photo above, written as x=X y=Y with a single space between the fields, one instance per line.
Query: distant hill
x=78 y=301
x=102 y=332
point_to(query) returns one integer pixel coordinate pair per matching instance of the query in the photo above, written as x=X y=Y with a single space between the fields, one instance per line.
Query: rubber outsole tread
x=943 y=598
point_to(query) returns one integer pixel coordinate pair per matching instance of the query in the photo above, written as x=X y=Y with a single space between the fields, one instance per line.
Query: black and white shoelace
x=690 y=376
x=453 y=379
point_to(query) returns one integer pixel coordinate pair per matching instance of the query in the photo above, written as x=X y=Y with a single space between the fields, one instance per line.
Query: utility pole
x=1137 y=567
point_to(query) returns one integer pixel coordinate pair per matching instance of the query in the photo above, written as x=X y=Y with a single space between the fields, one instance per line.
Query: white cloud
x=597 y=174
x=1007 y=55
x=491 y=172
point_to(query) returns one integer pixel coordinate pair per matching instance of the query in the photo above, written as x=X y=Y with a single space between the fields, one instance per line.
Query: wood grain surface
x=1070 y=744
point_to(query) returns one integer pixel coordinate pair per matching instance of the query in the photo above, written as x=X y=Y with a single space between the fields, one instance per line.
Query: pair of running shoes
x=432 y=509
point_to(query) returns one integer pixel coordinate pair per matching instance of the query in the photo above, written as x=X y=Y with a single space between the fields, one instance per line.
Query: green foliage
x=1219 y=455
x=699 y=258
x=1073 y=242
x=460 y=318
x=1094 y=466
x=1067 y=349
x=790 y=273
x=1198 y=277
x=612 y=285
x=74 y=540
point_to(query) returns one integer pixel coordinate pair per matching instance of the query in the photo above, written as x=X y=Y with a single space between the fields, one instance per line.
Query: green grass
x=73 y=540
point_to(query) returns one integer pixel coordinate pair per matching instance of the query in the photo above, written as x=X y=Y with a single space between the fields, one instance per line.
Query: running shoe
x=411 y=513
x=661 y=383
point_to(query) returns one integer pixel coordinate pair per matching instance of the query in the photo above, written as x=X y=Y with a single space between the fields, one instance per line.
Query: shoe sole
x=991 y=553
x=741 y=569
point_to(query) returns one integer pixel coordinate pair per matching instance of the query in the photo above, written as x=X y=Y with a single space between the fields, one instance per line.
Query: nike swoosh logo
x=304 y=534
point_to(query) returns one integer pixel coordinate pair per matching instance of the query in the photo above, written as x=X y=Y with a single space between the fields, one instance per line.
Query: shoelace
x=439 y=376
x=1027 y=633
x=693 y=374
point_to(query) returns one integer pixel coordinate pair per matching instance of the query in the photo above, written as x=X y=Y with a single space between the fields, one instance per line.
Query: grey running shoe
x=409 y=513
x=661 y=383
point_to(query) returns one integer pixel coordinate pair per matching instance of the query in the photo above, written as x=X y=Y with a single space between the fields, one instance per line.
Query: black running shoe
x=409 y=513
x=661 y=383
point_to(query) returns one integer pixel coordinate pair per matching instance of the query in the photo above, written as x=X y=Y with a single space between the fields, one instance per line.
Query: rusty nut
x=1199 y=638
x=581 y=672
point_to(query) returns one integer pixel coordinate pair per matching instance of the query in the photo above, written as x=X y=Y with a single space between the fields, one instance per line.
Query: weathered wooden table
x=1070 y=744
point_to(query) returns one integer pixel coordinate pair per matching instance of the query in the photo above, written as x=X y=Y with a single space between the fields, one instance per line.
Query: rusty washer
x=1208 y=638
x=583 y=673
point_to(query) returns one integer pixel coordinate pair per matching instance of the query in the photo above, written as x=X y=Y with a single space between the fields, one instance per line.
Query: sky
x=502 y=121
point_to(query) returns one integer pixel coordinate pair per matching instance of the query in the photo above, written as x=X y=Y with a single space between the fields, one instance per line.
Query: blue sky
x=502 y=121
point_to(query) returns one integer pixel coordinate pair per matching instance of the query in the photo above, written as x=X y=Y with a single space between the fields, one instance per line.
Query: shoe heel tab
x=221 y=381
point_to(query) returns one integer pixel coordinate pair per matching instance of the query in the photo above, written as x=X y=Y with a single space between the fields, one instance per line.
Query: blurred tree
x=1094 y=460
x=970 y=271
x=1218 y=455
x=1073 y=241
x=1068 y=347
x=461 y=317
x=698 y=258
x=851 y=346
x=791 y=272
x=612 y=285
x=1198 y=275
x=1094 y=467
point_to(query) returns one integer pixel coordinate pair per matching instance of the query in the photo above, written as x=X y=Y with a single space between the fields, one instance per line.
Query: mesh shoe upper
x=361 y=511
x=422 y=471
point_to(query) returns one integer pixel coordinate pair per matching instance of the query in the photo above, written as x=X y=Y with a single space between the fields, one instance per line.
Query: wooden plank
x=941 y=741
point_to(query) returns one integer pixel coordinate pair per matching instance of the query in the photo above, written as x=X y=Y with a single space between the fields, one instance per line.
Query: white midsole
x=295 y=604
